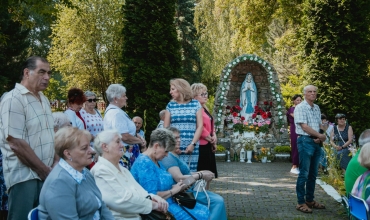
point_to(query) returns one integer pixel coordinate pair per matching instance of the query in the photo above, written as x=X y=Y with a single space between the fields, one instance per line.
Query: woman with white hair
x=91 y=116
x=123 y=195
x=60 y=120
x=115 y=118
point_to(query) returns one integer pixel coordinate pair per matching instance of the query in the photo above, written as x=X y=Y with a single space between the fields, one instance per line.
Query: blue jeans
x=309 y=157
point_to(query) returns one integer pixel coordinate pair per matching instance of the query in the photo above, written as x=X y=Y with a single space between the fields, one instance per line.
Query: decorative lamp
x=242 y=155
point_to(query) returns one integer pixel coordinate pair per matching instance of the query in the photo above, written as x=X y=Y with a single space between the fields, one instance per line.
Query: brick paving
x=267 y=191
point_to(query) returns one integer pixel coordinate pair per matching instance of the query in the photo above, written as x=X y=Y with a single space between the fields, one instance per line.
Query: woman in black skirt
x=208 y=139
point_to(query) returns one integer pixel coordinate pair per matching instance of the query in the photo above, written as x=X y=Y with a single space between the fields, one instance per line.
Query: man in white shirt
x=27 y=136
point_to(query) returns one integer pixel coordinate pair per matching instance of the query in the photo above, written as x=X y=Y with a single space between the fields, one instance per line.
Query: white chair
x=33 y=214
x=358 y=207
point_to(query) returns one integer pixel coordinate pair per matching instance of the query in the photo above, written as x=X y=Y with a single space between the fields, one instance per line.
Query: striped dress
x=183 y=117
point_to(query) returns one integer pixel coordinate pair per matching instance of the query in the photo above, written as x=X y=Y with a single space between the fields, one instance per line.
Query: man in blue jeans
x=307 y=117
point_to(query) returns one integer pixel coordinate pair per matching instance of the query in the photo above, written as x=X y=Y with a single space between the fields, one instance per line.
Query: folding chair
x=358 y=207
x=345 y=203
x=33 y=214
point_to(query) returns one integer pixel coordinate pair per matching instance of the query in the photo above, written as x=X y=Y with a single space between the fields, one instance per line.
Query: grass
x=335 y=175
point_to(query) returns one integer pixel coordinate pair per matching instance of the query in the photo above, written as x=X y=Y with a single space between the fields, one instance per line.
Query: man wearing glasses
x=307 y=117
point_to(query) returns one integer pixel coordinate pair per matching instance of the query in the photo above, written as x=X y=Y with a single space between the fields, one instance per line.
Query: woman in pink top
x=208 y=139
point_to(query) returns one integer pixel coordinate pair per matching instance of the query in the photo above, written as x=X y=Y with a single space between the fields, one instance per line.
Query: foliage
x=282 y=149
x=334 y=177
x=190 y=60
x=13 y=47
x=210 y=102
x=57 y=88
x=263 y=129
x=334 y=41
x=86 y=44
x=151 y=54
x=238 y=127
x=249 y=144
x=220 y=148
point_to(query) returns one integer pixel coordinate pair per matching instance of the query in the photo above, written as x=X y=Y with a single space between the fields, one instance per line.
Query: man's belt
x=309 y=136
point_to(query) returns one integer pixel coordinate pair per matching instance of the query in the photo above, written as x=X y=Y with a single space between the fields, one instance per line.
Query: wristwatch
x=194 y=144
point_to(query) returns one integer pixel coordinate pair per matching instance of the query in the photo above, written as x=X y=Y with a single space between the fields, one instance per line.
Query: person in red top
x=208 y=139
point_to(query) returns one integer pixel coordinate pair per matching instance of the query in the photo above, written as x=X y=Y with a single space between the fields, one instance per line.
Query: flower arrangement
x=249 y=128
x=249 y=144
x=263 y=152
x=262 y=117
x=220 y=148
x=233 y=116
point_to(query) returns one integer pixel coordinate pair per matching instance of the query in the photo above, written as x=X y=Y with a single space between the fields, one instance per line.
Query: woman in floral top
x=91 y=116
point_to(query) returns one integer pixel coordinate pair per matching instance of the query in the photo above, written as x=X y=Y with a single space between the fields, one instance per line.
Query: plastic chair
x=345 y=203
x=358 y=207
x=33 y=214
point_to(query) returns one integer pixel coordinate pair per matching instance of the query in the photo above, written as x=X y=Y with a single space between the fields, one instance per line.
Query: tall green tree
x=13 y=49
x=87 y=43
x=151 y=54
x=190 y=60
x=335 y=48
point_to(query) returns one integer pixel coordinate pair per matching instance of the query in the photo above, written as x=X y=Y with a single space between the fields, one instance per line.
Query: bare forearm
x=28 y=157
x=128 y=138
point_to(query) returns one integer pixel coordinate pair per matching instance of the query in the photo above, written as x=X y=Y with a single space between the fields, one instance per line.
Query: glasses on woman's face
x=205 y=94
x=92 y=100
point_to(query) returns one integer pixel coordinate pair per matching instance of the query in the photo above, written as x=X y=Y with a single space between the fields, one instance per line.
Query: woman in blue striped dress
x=185 y=114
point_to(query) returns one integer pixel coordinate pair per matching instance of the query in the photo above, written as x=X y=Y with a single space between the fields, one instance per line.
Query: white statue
x=248 y=96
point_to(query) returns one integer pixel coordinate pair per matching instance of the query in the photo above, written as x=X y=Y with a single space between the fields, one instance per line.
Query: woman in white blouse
x=122 y=194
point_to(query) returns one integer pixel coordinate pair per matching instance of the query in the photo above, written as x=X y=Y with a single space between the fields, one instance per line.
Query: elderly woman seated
x=362 y=184
x=122 y=194
x=155 y=179
x=180 y=171
x=70 y=192
x=61 y=120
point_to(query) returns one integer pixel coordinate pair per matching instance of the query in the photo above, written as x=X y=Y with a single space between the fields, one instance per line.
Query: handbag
x=156 y=215
x=200 y=186
x=185 y=199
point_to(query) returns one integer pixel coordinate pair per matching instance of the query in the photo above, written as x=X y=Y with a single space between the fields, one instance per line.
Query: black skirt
x=207 y=159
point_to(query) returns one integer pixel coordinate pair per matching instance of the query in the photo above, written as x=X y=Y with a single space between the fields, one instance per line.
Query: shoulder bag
x=156 y=215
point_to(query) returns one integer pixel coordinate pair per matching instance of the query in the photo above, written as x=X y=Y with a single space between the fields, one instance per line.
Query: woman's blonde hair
x=68 y=138
x=183 y=87
x=363 y=157
x=197 y=88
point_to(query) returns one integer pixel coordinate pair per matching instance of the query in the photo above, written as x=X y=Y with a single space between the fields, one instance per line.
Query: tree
x=190 y=61
x=13 y=49
x=151 y=54
x=335 y=40
x=86 y=43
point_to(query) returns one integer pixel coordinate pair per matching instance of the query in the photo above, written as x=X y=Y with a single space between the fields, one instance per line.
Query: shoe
x=295 y=171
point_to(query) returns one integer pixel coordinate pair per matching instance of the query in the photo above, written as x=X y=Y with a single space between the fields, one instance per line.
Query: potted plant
x=263 y=154
x=282 y=151
x=238 y=127
x=248 y=146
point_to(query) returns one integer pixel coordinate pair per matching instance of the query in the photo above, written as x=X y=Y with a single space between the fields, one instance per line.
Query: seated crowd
x=104 y=169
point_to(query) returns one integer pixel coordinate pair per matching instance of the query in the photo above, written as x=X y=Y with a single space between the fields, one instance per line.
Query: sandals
x=303 y=208
x=315 y=205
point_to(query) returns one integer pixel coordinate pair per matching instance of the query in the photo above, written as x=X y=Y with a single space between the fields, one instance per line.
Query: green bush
x=282 y=149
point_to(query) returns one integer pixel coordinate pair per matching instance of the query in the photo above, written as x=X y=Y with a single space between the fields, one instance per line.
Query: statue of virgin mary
x=248 y=96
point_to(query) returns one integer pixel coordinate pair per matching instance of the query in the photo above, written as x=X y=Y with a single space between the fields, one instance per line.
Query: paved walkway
x=267 y=191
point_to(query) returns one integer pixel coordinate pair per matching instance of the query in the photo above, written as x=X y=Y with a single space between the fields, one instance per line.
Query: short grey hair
x=164 y=138
x=306 y=87
x=364 y=137
x=115 y=91
x=104 y=137
x=60 y=119
x=89 y=93
x=174 y=129
x=363 y=157
x=162 y=113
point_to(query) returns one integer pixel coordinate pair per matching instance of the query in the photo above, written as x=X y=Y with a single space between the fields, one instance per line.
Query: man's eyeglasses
x=204 y=94
x=92 y=100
